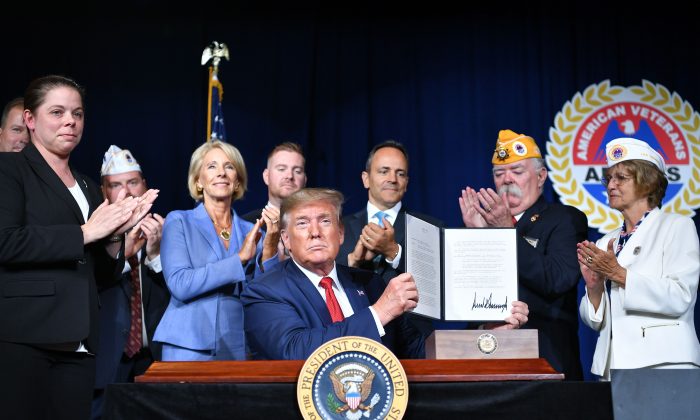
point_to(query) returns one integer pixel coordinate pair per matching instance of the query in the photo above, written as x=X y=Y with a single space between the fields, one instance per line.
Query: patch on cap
x=627 y=148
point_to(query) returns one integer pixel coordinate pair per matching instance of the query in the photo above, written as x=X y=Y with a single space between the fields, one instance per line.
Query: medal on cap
x=502 y=153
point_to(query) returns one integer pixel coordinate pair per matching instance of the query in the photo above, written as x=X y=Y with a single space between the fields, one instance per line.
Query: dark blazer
x=286 y=317
x=252 y=215
x=115 y=321
x=354 y=223
x=548 y=276
x=48 y=291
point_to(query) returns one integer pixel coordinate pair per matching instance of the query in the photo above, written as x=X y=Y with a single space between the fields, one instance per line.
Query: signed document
x=462 y=274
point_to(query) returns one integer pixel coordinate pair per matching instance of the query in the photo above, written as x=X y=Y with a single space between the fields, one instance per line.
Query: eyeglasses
x=619 y=179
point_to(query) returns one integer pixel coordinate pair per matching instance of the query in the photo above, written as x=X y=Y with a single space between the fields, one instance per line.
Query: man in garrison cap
x=116 y=362
x=547 y=234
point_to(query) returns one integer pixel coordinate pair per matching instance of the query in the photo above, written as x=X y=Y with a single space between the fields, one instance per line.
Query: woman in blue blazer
x=208 y=254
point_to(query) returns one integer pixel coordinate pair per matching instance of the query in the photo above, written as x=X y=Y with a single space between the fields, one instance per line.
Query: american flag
x=215 y=123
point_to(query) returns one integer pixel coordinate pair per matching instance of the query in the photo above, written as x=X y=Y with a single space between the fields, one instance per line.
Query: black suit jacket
x=252 y=215
x=548 y=276
x=48 y=292
x=115 y=322
x=354 y=224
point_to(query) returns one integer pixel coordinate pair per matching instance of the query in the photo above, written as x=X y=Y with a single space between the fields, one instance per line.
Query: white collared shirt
x=340 y=294
x=391 y=213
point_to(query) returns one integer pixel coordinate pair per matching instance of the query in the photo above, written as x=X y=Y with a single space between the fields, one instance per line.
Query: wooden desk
x=509 y=389
x=287 y=371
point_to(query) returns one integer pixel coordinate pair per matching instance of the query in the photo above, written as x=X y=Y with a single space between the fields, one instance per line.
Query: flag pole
x=214 y=52
x=211 y=69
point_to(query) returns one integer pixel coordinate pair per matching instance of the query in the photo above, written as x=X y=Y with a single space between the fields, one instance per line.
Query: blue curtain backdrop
x=441 y=81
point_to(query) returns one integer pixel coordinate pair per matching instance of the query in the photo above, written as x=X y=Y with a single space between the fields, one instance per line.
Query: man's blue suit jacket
x=286 y=317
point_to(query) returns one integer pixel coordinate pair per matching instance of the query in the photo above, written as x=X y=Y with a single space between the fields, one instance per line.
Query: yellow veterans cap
x=512 y=147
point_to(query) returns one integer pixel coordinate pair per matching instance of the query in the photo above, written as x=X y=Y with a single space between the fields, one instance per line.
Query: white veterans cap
x=625 y=148
x=118 y=161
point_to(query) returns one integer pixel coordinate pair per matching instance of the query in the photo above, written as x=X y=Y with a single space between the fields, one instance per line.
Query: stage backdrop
x=441 y=81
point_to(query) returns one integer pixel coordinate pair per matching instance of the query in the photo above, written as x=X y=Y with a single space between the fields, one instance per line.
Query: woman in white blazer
x=650 y=266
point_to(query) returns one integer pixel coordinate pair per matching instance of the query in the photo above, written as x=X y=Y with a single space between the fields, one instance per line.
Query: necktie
x=133 y=344
x=380 y=215
x=515 y=221
x=331 y=301
x=377 y=260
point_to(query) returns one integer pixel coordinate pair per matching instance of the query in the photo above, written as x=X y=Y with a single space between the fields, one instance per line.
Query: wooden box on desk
x=482 y=344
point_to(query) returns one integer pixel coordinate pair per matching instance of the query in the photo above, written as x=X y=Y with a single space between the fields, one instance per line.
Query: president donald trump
x=309 y=300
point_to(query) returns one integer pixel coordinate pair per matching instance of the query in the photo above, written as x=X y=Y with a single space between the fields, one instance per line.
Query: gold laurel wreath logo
x=575 y=111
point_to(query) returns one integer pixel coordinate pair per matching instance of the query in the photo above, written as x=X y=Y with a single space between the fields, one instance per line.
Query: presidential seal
x=487 y=343
x=650 y=112
x=352 y=378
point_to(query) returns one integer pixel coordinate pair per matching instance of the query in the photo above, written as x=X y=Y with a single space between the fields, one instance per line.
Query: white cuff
x=154 y=264
x=395 y=262
x=378 y=323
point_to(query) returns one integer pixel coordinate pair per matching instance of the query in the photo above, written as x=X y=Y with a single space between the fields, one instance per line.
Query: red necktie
x=331 y=301
x=133 y=344
x=515 y=221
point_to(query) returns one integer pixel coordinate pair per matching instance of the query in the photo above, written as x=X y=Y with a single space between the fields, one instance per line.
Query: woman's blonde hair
x=196 y=165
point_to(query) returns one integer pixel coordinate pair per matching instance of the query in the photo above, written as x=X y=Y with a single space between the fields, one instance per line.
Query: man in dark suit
x=13 y=132
x=374 y=244
x=284 y=175
x=115 y=363
x=548 y=270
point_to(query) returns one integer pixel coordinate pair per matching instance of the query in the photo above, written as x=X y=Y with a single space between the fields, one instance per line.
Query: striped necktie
x=135 y=339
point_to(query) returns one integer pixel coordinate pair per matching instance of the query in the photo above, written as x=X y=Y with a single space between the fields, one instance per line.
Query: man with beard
x=548 y=270
x=284 y=175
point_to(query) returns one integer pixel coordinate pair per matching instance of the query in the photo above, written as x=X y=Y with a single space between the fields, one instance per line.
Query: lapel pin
x=360 y=293
x=534 y=217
